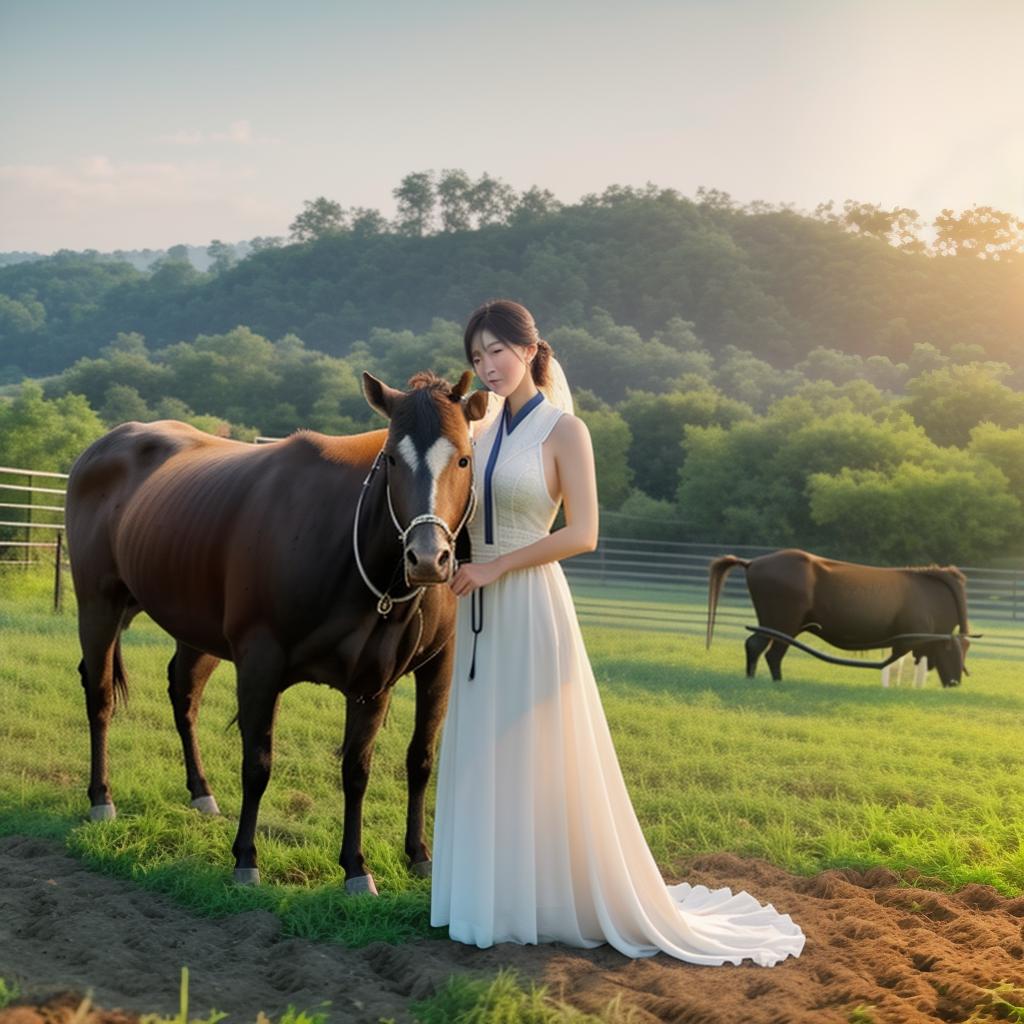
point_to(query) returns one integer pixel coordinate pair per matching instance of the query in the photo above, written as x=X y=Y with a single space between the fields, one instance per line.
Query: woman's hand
x=472 y=575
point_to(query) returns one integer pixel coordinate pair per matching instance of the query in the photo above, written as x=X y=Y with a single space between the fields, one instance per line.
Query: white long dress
x=535 y=836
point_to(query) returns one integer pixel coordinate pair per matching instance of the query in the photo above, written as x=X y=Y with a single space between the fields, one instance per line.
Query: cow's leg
x=920 y=672
x=260 y=673
x=433 y=681
x=99 y=628
x=187 y=675
x=774 y=657
x=755 y=645
x=362 y=722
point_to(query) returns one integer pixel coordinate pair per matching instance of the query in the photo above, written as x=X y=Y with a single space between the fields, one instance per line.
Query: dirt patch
x=912 y=955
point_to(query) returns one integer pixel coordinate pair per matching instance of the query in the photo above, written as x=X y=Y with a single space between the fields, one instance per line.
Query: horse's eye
x=464 y=461
x=391 y=459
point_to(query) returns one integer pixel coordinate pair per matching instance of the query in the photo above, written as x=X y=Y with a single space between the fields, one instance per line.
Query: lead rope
x=476 y=624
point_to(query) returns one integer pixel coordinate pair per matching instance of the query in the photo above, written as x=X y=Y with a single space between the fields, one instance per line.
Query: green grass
x=504 y=1000
x=824 y=770
x=8 y=992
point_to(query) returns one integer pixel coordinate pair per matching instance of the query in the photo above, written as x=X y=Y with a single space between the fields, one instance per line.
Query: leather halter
x=385 y=601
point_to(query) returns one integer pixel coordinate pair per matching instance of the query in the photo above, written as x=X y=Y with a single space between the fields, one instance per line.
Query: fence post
x=58 y=573
x=28 y=522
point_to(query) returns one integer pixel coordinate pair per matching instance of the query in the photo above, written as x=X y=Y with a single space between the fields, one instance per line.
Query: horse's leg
x=99 y=628
x=774 y=657
x=755 y=645
x=260 y=672
x=362 y=722
x=187 y=675
x=433 y=681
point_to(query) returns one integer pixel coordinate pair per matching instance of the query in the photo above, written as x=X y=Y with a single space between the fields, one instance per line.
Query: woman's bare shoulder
x=570 y=432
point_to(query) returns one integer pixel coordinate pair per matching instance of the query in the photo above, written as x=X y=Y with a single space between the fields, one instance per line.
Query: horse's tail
x=717 y=571
x=120 y=677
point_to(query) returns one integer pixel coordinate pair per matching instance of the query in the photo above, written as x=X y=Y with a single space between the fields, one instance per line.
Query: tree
x=23 y=315
x=980 y=231
x=319 y=218
x=950 y=401
x=263 y=242
x=48 y=435
x=899 y=226
x=1003 y=449
x=918 y=514
x=753 y=381
x=415 y=197
x=533 y=204
x=611 y=438
x=658 y=423
x=453 y=193
x=365 y=221
x=491 y=201
x=748 y=484
x=123 y=403
x=222 y=256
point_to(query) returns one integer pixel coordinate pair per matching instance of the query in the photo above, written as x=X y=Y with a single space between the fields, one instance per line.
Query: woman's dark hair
x=512 y=323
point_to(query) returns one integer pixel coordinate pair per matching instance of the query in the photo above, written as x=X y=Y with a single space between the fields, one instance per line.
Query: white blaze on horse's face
x=437 y=456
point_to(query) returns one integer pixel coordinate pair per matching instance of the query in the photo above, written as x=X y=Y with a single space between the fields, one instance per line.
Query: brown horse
x=315 y=558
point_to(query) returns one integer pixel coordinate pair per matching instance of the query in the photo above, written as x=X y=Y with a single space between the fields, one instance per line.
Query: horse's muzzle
x=429 y=563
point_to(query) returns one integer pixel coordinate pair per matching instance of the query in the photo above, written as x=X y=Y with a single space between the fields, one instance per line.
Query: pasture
x=824 y=770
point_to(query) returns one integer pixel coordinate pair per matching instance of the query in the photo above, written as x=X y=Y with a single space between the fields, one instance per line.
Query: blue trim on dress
x=507 y=425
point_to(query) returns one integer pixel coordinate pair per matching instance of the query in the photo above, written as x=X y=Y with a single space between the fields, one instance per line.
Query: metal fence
x=644 y=584
x=32 y=532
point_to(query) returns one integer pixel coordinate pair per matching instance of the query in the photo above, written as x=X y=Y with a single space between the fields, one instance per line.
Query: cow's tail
x=717 y=571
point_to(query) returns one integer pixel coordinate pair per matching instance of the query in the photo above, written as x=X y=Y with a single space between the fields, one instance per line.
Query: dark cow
x=852 y=607
x=315 y=558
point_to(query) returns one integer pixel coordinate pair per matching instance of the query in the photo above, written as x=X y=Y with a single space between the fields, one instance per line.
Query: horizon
x=148 y=128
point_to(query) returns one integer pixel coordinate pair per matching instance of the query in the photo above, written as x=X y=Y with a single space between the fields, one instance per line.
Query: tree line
x=765 y=279
x=860 y=458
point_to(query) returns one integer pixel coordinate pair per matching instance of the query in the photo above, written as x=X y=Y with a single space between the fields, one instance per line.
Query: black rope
x=476 y=624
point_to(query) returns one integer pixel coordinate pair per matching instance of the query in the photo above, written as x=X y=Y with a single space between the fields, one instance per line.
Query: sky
x=133 y=125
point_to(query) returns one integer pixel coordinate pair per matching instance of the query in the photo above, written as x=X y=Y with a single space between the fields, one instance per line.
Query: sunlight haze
x=130 y=126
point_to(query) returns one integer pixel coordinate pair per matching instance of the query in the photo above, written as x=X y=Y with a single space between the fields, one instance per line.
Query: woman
x=535 y=837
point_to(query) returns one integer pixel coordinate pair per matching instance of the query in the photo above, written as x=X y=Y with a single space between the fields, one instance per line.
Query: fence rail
x=649 y=584
x=29 y=523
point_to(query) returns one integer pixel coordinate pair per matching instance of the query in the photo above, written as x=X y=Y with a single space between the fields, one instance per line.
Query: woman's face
x=500 y=366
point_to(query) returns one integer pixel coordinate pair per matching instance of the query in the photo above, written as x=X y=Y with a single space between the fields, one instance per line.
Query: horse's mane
x=429 y=380
x=937 y=570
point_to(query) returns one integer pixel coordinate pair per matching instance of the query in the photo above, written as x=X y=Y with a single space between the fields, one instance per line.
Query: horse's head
x=428 y=461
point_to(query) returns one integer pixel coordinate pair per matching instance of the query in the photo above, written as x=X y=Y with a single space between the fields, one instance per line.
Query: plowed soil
x=904 y=955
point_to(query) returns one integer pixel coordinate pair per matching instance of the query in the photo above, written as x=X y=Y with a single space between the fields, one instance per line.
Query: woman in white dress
x=535 y=837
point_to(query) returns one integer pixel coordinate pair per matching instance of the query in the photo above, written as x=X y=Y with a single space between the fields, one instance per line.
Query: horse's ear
x=476 y=405
x=463 y=385
x=379 y=395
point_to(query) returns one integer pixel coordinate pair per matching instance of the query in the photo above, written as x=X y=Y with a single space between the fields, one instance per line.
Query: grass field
x=825 y=769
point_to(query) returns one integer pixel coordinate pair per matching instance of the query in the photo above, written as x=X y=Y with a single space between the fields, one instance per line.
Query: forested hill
x=776 y=283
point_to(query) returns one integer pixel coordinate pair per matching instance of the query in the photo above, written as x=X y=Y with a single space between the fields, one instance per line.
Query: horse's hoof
x=206 y=805
x=247 y=876
x=102 y=812
x=422 y=868
x=361 y=883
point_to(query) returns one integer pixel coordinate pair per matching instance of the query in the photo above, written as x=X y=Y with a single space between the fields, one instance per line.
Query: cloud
x=98 y=179
x=104 y=203
x=180 y=138
x=239 y=133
